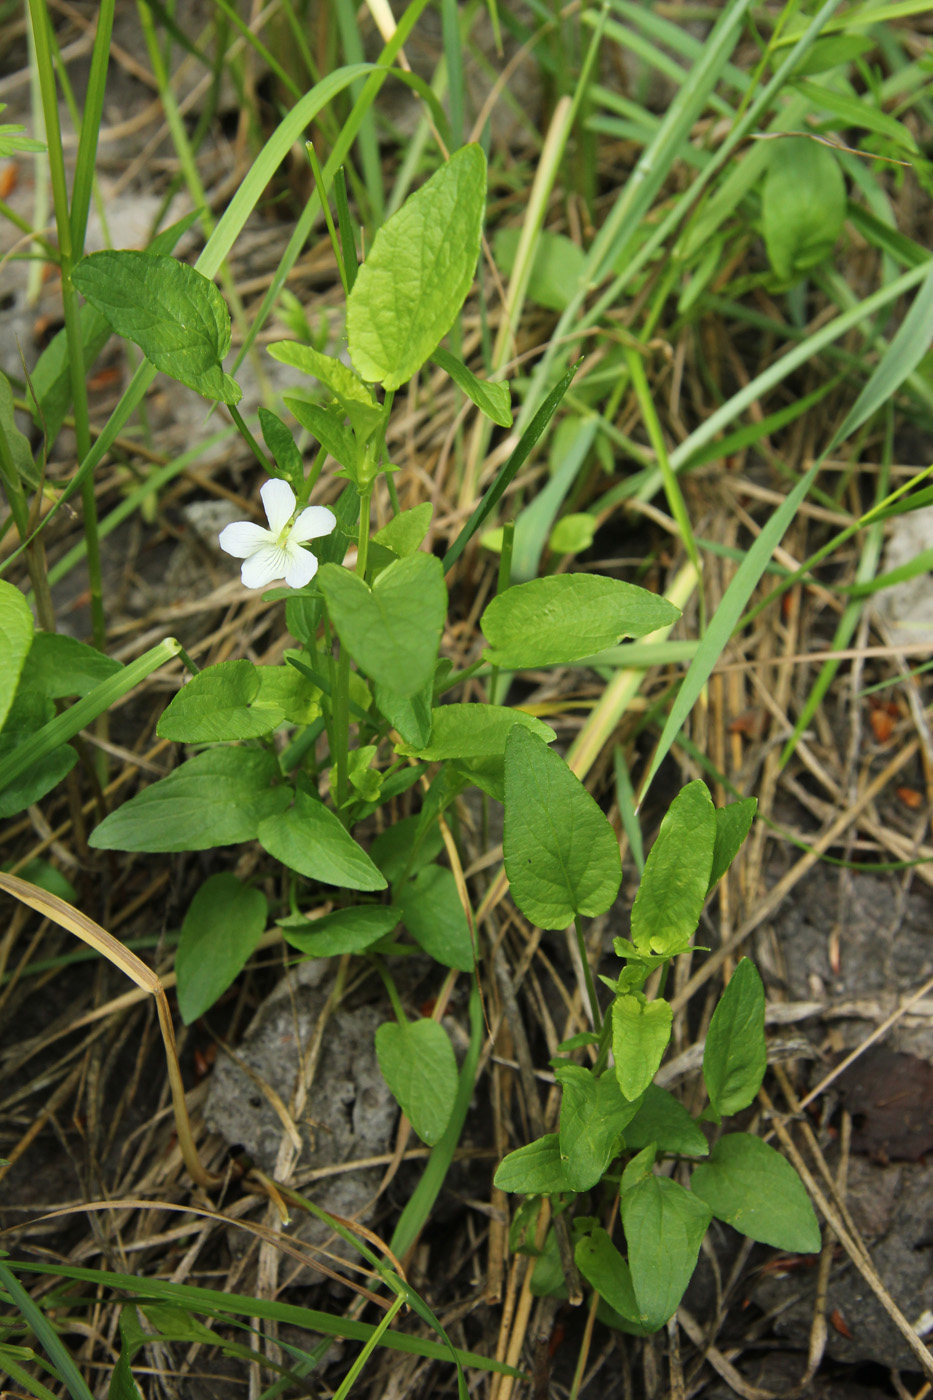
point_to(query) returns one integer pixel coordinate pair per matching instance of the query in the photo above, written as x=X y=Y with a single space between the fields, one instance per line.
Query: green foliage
x=16 y=629
x=664 y=1228
x=565 y=617
x=803 y=206
x=593 y=1115
x=310 y=840
x=735 y=1056
x=172 y=311
x=561 y=855
x=417 y=1062
x=676 y=878
x=640 y=1032
x=753 y=1188
x=393 y=629
x=350 y=930
x=418 y=272
x=219 y=934
x=492 y=399
x=431 y=911
x=217 y=798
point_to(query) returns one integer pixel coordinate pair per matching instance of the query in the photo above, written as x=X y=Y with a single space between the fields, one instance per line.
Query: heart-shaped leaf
x=417 y=1063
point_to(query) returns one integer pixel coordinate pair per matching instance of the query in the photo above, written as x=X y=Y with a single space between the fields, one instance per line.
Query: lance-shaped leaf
x=676 y=877
x=16 y=628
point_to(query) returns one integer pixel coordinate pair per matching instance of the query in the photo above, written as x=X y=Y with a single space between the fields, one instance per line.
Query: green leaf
x=572 y=534
x=392 y=630
x=418 y=272
x=565 y=617
x=557 y=270
x=735 y=1057
x=51 y=378
x=561 y=854
x=733 y=823
x=354 y=397
x=288 y=690
x=754 y=1189
x=17 y=443
x=593 y=1114
x=433 y=914
x=803 y=206
x=217 y=798
x=410 y=715
x=310 y=839
x=418 y=1064
x=325 y=422
x=602 y=1265
x=664 y=1228
x=640 y=1032
x=173 y=313
x=676 y=877
x=221 y=931
x=535 y=1170
x=474 y=731
x=59 y=665
x=405 y=532
x=344 y=931
x=398 y=846
x=495 y=400
x=217 y=705
x=286 y=459
x=28 y=716
x=664 y=1121
x=16 y=629
x=857 y=112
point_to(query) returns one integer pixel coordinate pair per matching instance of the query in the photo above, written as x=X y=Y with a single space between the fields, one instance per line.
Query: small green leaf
x=393 y=629
x=664 y=1228
x=286 y=459
x=433 y=915
x=27 y=717
x=220 y=933
x=288 y=690
x=754 y=1189
x=495 y=400
x=326 y=423
x=603 y=1267
x=310 y=839
x=405 y=532
x=640 y=1032
x=16 y=629
x=400 y=848
x=17 y=443
x=572 y=534
x=733 y=823
x=354 y=397
x=735 y=1057
x=217 y=705
x=173 y=313
x=474 y=731
x=59 y=665
x=410 y=715
x=558 y=267
x=664 y=1121
x=418 y=272
x=803 y=207
x=565 y=617
x=676 y=877
x=51 y=378
x=344 y=931
x=593 y=1114
x=534 y=1170
x=418 y=1064
x=217 y=798
x=561 y=854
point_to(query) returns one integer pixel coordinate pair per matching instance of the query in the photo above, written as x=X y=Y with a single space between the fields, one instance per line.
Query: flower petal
x=264 y=567
x=313 y=523
x=243 y=538
x=279 y=502
x=302 y=566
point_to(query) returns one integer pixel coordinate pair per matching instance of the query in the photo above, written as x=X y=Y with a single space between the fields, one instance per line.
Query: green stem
x=588 y=975
x=341 y=736
x=369 y=1348
x=35 y=554
x=362 y=538
x=391 y=989
x=248 y=438
x=42 y=39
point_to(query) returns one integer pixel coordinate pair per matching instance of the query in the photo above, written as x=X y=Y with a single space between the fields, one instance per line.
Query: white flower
x=276 y=552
